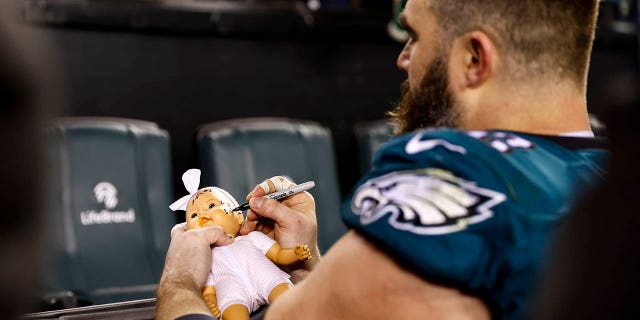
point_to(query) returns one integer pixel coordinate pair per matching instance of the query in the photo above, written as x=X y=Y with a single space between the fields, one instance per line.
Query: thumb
x=214 y=235
x=179 y=228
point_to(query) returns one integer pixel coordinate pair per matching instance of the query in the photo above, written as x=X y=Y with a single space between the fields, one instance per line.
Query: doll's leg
x=236 y=312
x=278 y=290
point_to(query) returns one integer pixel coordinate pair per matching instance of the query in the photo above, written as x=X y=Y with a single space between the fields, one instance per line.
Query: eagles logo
x=429 y=201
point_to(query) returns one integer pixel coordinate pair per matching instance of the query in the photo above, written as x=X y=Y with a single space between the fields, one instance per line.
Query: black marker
x=281 y=194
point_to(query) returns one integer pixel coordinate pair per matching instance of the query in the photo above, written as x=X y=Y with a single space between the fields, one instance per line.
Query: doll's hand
x=209 y=297
x=302 y=252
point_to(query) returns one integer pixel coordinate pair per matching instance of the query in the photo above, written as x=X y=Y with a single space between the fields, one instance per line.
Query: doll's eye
x=193 y=215
x=211 y=206
x=226 y=208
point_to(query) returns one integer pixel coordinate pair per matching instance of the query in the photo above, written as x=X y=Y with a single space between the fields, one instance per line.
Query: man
x=454 y=224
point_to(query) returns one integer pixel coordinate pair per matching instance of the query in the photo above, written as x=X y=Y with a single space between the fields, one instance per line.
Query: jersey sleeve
x=261 y=241
x=472 y=210
x=431 y=202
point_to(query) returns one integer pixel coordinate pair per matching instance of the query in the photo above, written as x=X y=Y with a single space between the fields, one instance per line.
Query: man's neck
x=540 y=108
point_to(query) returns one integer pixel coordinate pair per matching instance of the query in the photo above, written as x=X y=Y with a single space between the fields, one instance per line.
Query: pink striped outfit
x=242 y=274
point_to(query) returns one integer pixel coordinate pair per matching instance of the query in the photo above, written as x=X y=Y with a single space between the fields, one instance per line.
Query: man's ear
x=479 y=58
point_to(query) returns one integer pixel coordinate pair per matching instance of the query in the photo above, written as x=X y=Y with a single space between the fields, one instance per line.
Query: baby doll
x=242 y=275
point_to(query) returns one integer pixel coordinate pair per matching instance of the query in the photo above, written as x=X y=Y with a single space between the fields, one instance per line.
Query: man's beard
x=432 y=105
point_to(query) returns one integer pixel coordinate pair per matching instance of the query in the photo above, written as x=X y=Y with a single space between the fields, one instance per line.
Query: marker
x=281 y=194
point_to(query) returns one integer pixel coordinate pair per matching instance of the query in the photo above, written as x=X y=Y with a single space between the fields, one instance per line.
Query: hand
x=290 y=222
x=189 y=253
x=186 y=268
x=302 y=252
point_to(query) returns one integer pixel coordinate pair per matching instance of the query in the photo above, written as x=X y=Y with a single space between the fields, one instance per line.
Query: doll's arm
x=209 y=297
x=289 y=255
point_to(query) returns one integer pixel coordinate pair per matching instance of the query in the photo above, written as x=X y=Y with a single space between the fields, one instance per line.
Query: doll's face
x=205 y=209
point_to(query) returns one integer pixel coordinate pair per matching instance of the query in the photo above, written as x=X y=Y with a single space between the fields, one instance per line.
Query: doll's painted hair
x=221 y=194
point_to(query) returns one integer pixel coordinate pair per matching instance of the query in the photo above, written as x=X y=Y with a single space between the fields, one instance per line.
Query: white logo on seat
x=107 y=194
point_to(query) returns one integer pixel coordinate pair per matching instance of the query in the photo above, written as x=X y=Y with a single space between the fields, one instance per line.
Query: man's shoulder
x=442 y=201
x=450 y=148
x=427 y=140
x=452 y=142
x=542 y=169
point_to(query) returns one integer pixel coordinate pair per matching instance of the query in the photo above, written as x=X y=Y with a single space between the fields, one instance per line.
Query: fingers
x=303 y=252
x=213 y=235
x=268 y=208
x=252 y=216
x=247 y=226
x=188 y=260
x=212 y=304
x=213 y=307
x=271 y=185
x=256 y=192
x=178 y=229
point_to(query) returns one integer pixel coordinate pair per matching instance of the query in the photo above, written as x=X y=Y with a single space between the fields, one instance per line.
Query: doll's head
x=209 y=206
x=212 y=206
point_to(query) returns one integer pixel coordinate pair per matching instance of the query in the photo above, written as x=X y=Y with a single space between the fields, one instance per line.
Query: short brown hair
x=540 y=37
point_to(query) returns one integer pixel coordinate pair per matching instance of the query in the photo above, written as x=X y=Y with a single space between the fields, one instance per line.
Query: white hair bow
x=191 y=179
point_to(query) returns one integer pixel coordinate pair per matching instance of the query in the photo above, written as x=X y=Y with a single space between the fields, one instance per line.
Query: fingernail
x=256 y=203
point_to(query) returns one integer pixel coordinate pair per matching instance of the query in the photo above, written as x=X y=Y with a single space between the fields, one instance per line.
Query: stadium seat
x=238 y=154
x=108 y=217
x=370 y=136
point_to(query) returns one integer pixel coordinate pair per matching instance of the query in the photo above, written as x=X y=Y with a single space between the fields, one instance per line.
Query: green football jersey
x=474 y=210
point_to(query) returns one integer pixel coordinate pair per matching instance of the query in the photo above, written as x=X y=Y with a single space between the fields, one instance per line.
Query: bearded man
x=454 y=222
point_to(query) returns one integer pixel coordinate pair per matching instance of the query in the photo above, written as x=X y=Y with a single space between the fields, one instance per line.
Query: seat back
x=108 y=221
x=238 y=154
x=370 y=136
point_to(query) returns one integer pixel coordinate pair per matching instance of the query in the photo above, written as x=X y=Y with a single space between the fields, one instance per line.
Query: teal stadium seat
x=108 y=217
x=370 y=136
x=238 y=154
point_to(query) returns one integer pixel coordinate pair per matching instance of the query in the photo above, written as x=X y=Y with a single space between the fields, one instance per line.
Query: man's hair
x=537 y=37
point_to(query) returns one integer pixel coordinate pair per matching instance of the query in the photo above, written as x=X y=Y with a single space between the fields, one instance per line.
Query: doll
x=243 y=275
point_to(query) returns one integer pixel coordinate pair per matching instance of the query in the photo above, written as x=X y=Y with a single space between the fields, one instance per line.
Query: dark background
x=188 y=65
